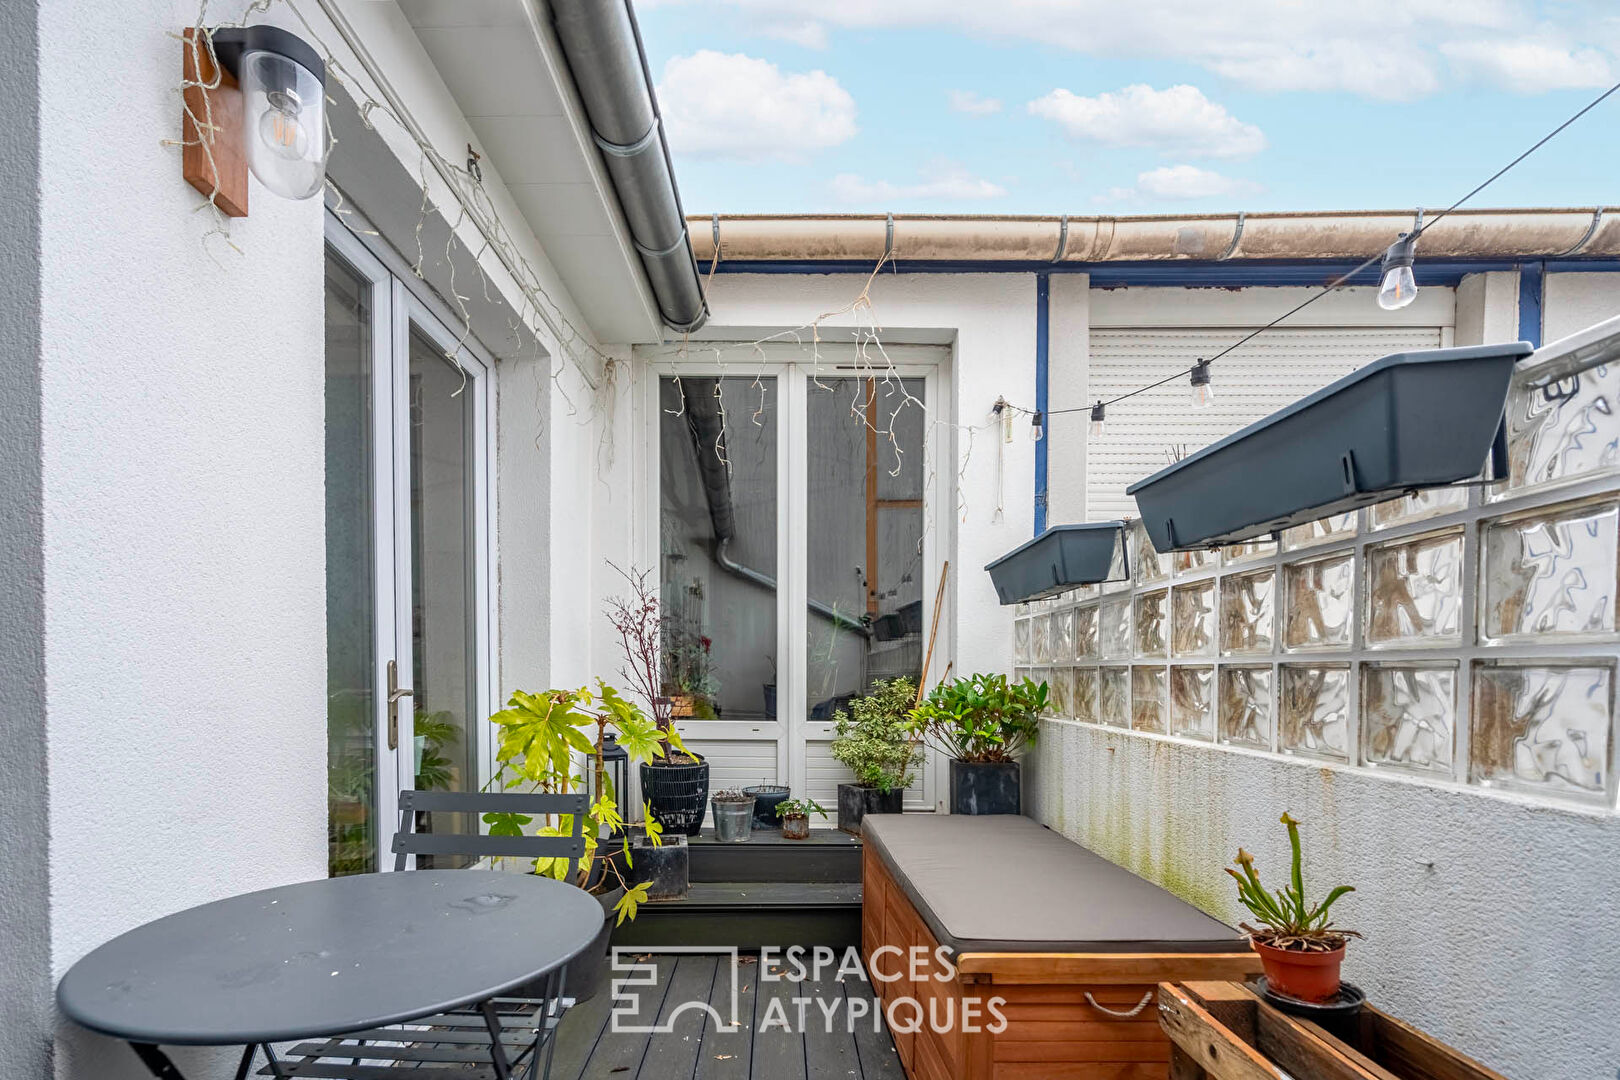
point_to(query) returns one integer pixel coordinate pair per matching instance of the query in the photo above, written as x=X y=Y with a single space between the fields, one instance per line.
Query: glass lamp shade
x=284 y=128
x=1399 y=288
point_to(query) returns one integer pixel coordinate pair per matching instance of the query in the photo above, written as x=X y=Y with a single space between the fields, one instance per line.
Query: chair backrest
x=407 y=841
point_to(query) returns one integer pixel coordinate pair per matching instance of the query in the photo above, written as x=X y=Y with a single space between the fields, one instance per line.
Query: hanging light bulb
x=1098 y=413
x=1203 y=394
x=1399 y=287
x=1036 y=431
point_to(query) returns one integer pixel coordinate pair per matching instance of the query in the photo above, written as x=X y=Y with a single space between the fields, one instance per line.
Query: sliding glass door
x=408 y=450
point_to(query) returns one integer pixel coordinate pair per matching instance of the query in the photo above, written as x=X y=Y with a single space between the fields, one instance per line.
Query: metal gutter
x=602 y=46
x=1236 y=238
x=1043 y=297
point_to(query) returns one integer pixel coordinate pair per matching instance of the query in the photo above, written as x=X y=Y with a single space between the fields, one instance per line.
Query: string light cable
x=1401 y=249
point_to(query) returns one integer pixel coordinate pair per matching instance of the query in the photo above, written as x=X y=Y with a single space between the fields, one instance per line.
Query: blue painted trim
x=1043 y=304
x=1532 y=278
x=1214 y=275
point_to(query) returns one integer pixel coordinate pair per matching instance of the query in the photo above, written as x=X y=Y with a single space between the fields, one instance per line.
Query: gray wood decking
x=588 y=1047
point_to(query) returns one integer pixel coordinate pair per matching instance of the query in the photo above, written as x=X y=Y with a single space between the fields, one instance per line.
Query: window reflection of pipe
x=724 y=560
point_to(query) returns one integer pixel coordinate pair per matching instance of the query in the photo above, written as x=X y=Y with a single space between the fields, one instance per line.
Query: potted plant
x=689 y=680
x=674 y=781
x=980 y=723
x=541 y=741
x=1299 y=948
x=733 y=816
x=873 y=741
x=795 y=817
x=766 y=798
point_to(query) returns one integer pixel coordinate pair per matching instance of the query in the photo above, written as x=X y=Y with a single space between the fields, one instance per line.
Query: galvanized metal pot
x=733 y=821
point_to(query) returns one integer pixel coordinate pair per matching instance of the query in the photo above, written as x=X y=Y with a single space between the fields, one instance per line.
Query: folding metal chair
x=497 y=1039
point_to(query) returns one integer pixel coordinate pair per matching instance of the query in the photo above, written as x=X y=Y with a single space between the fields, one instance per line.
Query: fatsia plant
x=981 y=718
x=1288 y=921
x=543 y=739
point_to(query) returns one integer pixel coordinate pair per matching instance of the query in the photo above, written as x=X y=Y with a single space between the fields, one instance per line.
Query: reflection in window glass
x=717 y=565
x=444 y=654
x=351 y=751
x=865 y=538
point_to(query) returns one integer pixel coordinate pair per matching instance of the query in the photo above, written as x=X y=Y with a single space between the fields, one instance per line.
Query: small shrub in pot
x=795 y=817
x=1300 y=949
x=872 y=739
x=981 y=723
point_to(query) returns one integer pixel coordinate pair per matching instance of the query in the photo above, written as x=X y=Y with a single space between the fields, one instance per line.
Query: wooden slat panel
x=1112 y=1050
x=1081 y=1070
x=1109 y=967
x=1404 y=1049
x=1203 y=1038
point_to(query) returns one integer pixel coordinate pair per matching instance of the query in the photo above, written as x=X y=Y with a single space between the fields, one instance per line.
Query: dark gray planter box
x=1061 y=558
x=666 y=868
x=1402 y=423
x=766 y=796
x=985 y=787
x=855 y=801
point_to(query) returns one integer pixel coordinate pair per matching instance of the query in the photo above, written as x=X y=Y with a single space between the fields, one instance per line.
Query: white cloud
x=721 y=105
x=1386 y=51
x=1529 y=66
x=966 y=101
x=805 y=33
x=1179 y=120
x=951 y=183
x=1179 y=182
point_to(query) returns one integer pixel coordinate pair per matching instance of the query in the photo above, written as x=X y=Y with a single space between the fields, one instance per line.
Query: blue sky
x=1085 y=107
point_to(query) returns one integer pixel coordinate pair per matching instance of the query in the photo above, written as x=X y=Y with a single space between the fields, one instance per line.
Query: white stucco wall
x=184 y=550
x=1490 y=919
x=1572 y=302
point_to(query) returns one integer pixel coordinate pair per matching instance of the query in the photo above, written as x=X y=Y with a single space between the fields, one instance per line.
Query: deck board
x=697 y=1048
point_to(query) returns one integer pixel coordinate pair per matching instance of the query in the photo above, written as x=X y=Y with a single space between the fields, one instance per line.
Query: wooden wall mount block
x=222 y=108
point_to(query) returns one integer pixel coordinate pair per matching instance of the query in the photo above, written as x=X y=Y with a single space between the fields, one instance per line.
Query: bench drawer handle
x=1122 y=1014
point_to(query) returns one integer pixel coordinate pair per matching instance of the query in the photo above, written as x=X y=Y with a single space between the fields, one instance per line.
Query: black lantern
x=616 y=767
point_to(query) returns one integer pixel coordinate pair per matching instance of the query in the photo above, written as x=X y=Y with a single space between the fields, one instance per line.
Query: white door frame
x=793 y=731
x=396 y=307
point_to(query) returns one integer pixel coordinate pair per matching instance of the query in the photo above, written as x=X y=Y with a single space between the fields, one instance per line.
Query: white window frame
x=794 y=367
x=400 y=301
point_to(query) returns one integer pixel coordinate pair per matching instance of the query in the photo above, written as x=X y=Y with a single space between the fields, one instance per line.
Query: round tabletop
x=329 y=957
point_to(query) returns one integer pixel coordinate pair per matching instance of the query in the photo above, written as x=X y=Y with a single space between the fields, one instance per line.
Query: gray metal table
x=326 y=958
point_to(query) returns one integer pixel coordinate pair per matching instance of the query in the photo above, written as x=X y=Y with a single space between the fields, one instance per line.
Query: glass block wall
x=1468 y=634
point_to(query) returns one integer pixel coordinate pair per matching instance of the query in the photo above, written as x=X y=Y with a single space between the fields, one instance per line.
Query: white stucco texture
x=184 y=561
x=1489 y=920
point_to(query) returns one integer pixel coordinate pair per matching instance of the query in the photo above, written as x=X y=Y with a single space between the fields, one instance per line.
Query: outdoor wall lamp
x=263 y=109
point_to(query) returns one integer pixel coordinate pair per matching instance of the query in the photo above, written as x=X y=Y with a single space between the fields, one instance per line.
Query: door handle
x=395 y=692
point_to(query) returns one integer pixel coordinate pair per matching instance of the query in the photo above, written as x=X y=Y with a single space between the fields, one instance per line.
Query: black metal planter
x=766 y=796
x=985 y=787
x=1402 y=423
x=855 y=801
x=1061 y=558
x=679 y=794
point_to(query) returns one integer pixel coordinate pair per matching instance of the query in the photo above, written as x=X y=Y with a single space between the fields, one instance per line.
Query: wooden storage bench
x=1071 y=945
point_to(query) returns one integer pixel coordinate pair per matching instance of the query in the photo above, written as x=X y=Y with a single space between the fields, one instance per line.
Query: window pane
x=865 y=541
x=443 y=637
x=351 y=750
x=717 y=452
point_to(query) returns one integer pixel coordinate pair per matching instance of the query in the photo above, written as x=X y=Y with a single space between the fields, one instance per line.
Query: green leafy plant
x=981 y=718
x=1287 y=920
x=541 y=737
x=437 y=730
x=873 y=740
x=795 y=808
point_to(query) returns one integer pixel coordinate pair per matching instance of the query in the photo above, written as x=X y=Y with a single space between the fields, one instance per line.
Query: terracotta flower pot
x=1309 y=976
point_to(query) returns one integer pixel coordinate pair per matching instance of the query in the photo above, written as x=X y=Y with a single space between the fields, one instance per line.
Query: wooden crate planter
x=1225 y=1031
x=1056 y=1029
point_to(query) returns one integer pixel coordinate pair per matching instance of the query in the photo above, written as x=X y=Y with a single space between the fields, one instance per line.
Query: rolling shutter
x=1275 y=369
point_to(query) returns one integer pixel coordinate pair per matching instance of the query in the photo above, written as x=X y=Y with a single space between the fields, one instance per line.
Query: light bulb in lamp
x=1099 y=415
x=1037 y=431
x=1398 y=287
x=1203 y=391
